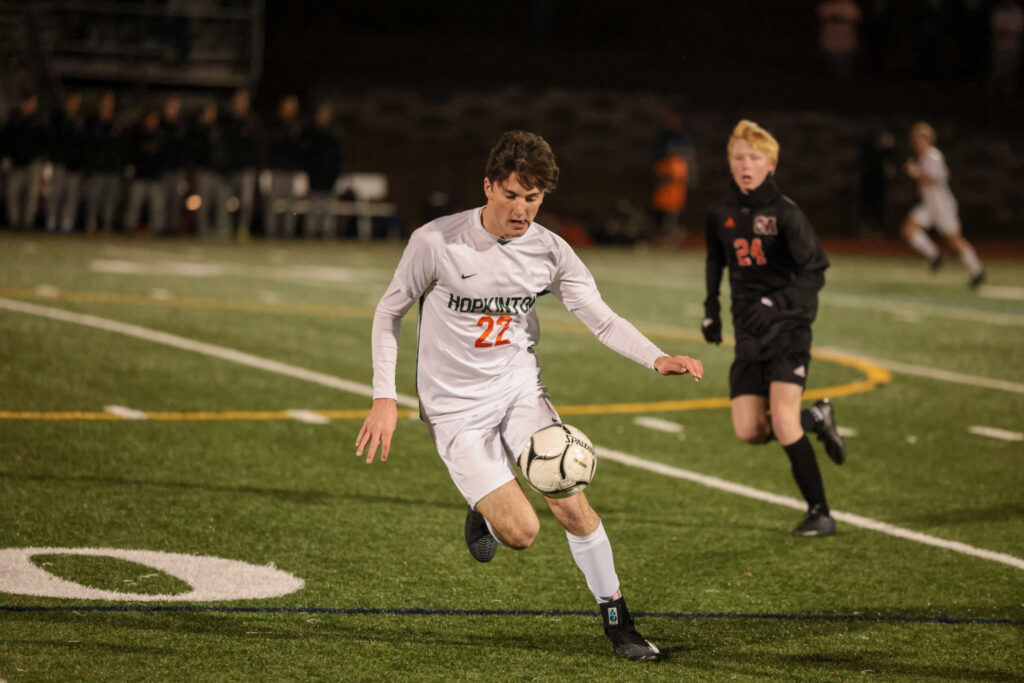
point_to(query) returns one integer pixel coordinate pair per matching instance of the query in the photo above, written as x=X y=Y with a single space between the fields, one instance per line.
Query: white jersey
x=938 y=205
x=477 y=318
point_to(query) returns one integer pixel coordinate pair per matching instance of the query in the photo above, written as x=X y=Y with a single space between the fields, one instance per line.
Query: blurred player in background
x=320 y=157
x=104 y=159
x=66 y=152
x=476 y=276
x=284 y=145
x=243 y=138
x=937 y=207
x=776 y=268
x=23 y=145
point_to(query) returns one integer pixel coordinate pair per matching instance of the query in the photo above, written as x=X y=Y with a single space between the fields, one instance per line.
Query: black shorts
x=755 y=377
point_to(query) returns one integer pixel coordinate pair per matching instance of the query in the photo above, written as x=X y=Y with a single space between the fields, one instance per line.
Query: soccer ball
x=558 y=461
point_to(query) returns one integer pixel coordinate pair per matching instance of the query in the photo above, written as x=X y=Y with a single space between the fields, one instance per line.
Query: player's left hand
x=762 y=315
x=679 y=365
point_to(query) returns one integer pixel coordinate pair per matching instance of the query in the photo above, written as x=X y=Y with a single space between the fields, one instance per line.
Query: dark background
x=717 y=62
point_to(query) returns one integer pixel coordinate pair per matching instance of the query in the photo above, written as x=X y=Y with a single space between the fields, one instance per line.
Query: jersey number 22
x=502 y=323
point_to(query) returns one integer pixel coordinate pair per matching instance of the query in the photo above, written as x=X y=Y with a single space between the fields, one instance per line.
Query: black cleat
x=828 y=433
x=817 y=523
x=482 y=545
x=976 y=280
x=935 y=263
x=618 y=626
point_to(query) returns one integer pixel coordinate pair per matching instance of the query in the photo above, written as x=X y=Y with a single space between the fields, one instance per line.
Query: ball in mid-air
x=558 y=461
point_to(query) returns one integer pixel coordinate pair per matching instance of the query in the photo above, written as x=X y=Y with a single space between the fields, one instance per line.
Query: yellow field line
x=875 y=375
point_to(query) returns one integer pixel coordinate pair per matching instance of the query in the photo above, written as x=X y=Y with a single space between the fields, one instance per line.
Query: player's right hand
x=679 y=365
x=712 y=329
x=377 y=429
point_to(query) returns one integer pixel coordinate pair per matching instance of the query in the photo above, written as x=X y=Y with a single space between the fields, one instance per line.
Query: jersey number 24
x=745 y=251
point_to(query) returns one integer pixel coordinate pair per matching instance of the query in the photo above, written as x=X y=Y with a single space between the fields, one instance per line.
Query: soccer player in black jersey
x=776 y=267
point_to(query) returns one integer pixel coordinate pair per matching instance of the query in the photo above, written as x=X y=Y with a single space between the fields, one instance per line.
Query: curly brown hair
x=528 y=156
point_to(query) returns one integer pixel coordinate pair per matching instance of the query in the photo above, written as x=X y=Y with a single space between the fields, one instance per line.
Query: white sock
x=490 y=529
x=970 y=260
x=593 y=555
x=923 y=244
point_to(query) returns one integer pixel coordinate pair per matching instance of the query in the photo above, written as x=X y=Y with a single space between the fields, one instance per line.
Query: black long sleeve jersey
x=770 y=249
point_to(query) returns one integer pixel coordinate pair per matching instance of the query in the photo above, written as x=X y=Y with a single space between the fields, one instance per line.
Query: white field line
x=921 y=309
x=942 y=375
x=993 y=432
x=906 y=310
x=658 y=424
x=653 y=329
x=307 y=416
x=186 y=344
x=322 y=276
x=994 y=292
x=409 y=401
x=786 y=501
x=126 y=413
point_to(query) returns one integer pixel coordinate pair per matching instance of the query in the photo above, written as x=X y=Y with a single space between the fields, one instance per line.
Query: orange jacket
x=670 y=193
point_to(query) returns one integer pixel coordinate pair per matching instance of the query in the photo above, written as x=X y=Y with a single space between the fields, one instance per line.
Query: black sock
x=806 y=473
x=811 y=419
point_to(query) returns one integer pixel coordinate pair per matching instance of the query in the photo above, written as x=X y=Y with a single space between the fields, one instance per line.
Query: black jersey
x=770 y=249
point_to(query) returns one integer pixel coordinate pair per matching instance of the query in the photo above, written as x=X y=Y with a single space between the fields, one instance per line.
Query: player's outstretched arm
x=377 y=429
x=679 y=365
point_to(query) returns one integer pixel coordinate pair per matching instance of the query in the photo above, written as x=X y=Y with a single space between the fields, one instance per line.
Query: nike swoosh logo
x=468 y=276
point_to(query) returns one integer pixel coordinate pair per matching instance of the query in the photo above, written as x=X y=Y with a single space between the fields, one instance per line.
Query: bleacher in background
x=427 y=140
x=180 y=43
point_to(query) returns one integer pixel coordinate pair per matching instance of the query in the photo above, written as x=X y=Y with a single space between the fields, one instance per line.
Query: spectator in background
x=147 y=153
x=209 y=158
x=1007 y=29
x=284 y=140
x=839 y=21
x=67 y=150
x=24 y=144
x=669 y=198
x=104 y=165
x=321 y=160
x=937 y=208
x=242 y=138
x=674 y=170
x=174 y=177
x=673 y=136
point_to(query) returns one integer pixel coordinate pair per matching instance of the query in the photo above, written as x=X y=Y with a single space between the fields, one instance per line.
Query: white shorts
x=479 y=449
x=943 y=215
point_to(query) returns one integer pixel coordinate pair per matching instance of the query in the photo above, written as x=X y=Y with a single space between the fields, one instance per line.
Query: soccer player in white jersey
x=476 y=276
x=937 y=207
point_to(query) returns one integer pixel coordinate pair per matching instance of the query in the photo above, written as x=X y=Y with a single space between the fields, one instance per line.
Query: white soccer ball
x=558 y=461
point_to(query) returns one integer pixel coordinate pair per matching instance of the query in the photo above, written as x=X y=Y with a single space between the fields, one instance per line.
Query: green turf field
x=211 y=346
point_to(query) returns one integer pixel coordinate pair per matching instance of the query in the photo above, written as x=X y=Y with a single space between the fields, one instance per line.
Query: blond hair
x=925 y=129
x=757 y=137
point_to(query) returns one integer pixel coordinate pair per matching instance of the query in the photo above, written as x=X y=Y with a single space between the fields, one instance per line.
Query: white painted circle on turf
x=211 y=578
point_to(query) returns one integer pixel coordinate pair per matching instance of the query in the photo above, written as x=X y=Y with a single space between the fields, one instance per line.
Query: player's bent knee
x=521 y=535
x=752 y=434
